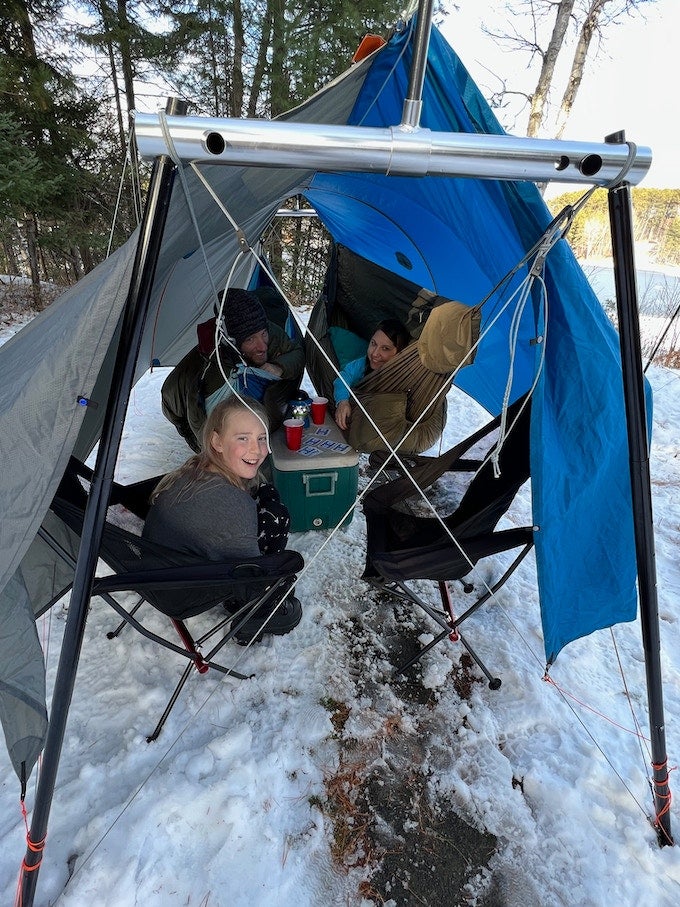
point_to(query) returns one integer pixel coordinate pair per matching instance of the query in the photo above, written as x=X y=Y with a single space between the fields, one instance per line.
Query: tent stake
x=134 y=316
x=621 y=219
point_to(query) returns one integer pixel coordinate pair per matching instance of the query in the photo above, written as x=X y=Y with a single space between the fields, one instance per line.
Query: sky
x=223 y=810
x=630 y=83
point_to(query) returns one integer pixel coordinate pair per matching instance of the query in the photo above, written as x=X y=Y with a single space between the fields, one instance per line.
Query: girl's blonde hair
x=208 y=460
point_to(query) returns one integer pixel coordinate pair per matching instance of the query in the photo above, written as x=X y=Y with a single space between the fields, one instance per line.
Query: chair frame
x=105 y=586
x=269 y=578
x=423 y=471
x=446 y=617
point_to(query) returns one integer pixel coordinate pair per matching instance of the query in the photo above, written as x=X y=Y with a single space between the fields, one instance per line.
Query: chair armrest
x=231 y=572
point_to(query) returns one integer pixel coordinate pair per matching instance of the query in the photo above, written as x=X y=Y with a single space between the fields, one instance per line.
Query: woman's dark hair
x=396 y=331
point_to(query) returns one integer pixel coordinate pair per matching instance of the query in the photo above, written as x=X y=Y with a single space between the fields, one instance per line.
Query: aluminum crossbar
x=395 y=150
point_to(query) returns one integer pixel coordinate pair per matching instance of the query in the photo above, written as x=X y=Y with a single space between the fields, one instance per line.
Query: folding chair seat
x=136 y=496
x=403 y=546
x=180 y=586
x=51 y=556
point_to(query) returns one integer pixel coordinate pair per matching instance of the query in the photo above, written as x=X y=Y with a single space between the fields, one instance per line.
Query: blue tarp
x=459 y=238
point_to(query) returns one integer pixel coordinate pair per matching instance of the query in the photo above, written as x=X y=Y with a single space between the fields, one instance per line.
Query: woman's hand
x=342 y=414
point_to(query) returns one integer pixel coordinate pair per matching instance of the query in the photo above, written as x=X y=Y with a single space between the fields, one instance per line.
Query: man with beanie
x=258 y=358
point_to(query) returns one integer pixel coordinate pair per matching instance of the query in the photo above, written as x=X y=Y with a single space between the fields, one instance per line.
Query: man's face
x=254 y=348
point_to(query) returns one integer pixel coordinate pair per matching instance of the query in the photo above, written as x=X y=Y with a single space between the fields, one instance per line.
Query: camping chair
x=179 y=585
x=402 y=546
x=135 y=497
x=51 y=556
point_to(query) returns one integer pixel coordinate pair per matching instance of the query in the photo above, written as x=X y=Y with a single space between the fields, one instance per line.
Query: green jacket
x=198 y=375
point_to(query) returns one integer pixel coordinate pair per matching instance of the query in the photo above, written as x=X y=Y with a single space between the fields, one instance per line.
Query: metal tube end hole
x=214 y=143
x=590 y=165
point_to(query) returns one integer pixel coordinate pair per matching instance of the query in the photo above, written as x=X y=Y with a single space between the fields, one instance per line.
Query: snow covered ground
x=259 y=792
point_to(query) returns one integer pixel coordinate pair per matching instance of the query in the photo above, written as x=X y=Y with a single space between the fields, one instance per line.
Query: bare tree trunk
x=126 y=58
x=32 y=247
x=76 y=263
x=23 y=20
x=10 y=256
x=105 y=13
x=43 y=267
x=578 y=65
x=237 y=63
x=279 y=84
x=540 y=96
x=212 y=57
x=296 y=251
x=261 y=64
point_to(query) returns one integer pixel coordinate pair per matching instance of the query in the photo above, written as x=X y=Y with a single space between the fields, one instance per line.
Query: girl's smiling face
x=241 y=445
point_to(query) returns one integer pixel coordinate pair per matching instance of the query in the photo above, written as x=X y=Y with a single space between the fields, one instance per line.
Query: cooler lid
x=323 y=447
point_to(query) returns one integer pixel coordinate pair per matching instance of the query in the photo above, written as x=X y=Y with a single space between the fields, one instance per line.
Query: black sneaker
x=286 y=617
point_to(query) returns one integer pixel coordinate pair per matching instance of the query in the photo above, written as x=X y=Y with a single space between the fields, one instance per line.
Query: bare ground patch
x=413 y=849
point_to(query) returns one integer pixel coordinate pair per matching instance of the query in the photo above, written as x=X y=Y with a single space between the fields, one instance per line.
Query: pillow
x=448 y=338
x=347 y=345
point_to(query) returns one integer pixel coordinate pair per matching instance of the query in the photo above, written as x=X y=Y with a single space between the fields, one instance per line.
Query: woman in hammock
x=389 y=338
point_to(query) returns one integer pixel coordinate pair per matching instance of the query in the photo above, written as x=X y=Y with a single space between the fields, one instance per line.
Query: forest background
x=71 y=187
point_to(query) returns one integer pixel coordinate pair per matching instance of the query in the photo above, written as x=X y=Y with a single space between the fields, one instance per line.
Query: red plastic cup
x=319 y=405
x=294 y=433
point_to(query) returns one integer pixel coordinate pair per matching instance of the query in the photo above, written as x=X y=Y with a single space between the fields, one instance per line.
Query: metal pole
x=391 y=150
x=620 y=216
x=413 y=103
x=134 y=317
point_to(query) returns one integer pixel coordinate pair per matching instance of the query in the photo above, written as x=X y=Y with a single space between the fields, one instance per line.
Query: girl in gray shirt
x=205 y=507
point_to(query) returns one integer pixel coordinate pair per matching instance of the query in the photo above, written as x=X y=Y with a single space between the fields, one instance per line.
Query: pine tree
x=46 y=127
x=261 y=57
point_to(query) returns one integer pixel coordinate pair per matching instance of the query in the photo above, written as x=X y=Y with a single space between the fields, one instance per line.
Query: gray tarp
x=67 y=352
x=44 y=369
x=22 y=678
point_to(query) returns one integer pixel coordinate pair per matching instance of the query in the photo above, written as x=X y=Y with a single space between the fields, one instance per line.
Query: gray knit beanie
x=243 y=315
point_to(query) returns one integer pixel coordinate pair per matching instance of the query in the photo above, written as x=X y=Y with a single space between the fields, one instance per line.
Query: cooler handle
x=308 y=479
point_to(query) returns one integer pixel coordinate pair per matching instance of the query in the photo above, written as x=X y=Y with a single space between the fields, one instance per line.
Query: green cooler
x=317 y=483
